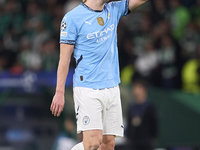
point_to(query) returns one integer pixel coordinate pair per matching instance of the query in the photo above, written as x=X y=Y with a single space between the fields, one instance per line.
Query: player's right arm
x=63 y=67
x=124 y=7
x=68 y=35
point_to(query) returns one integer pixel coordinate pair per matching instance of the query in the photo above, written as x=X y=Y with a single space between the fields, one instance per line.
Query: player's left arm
x=133 y=4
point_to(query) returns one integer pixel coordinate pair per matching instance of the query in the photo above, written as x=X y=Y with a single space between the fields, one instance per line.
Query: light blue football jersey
x=94 y=36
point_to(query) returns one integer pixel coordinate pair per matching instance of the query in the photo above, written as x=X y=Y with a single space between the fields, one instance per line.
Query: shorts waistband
x=106 y=88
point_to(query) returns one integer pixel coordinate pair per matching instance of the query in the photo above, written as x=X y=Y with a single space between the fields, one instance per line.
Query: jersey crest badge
x=100 y=21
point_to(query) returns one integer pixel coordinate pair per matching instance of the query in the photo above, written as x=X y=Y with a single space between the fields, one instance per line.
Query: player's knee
x=93 y=142
x=109 y=144
x=93 y=145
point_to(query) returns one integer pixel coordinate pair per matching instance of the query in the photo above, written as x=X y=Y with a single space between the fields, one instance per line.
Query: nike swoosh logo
x=88 y=22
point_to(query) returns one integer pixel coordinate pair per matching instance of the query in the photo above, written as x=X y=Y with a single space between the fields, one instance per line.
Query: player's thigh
x=92 y=138
x=88 y=109
x=108 y=142
x=113 y=121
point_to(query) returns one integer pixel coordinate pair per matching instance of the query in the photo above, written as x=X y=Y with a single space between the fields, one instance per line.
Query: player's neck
x=95 y=4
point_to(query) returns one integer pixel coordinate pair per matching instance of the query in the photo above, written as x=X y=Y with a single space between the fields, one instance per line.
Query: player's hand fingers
x=53 y=108
x=52 y=104
x=56 y=110
x=63 y=108
x=59 y=111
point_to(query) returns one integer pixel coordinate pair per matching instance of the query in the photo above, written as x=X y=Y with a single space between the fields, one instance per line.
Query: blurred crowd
x=159 y=42
x=29 y=33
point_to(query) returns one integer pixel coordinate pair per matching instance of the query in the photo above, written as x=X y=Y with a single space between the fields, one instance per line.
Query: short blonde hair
x=84 y=1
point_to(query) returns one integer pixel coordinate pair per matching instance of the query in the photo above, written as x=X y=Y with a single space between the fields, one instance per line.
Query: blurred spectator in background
x=50 y=55
x=29 y=60
x=159 y=10
x=168 y=60
x=179 y=18
x=142 y=129
x=40 y=36
x=10 y=14
x=128 y=68
x=3 y=61
x=67 y=138
x=146 y=64
x=191 y=74
x=195 y=11
x=190 y=40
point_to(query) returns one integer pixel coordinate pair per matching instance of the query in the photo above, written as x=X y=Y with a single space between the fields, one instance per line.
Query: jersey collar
x=90 y=9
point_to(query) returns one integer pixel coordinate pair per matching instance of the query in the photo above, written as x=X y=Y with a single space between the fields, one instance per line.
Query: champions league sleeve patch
x=63 y=26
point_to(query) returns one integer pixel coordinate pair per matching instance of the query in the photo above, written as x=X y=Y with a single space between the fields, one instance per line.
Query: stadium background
x=159 y=42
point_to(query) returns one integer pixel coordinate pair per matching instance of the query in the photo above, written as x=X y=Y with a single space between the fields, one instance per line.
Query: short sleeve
x=121 y=8
x=68 y=31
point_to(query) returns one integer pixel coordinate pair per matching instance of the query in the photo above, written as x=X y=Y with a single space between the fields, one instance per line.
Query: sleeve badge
x=63 y=26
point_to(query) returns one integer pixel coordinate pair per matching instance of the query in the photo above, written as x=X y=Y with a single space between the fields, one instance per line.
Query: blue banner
x=30 y=81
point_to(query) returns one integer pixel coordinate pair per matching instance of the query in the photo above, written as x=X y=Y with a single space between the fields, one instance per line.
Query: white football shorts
x=99 y=110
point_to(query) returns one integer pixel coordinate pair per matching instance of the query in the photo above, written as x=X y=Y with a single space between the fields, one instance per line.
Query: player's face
x=140 y=93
